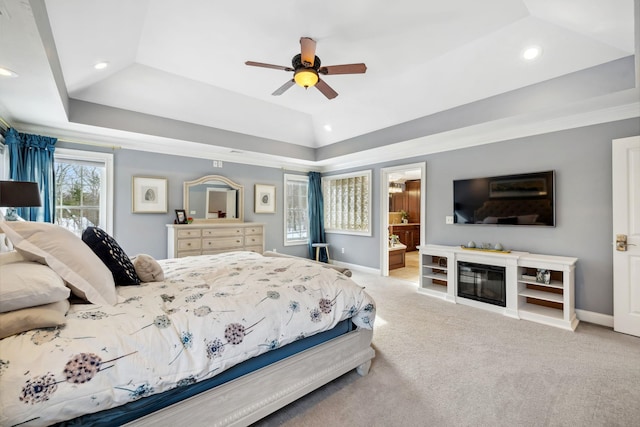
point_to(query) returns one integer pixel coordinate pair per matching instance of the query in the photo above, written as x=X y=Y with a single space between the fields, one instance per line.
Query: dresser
x=207 y=239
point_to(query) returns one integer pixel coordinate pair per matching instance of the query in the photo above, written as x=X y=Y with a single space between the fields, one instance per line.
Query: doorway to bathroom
x=402 y=220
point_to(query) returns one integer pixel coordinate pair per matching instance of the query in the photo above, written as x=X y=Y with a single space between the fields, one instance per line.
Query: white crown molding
x=619 y=106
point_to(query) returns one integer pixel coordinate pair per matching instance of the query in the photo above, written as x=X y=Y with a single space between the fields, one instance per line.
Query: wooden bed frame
x=253 y=396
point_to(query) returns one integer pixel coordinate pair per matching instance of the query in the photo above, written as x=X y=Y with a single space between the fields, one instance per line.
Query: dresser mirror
x=214 y=198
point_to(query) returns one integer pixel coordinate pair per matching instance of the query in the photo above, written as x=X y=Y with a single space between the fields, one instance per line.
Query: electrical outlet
x=274 y=250
x=342 y=250
x=448 y=219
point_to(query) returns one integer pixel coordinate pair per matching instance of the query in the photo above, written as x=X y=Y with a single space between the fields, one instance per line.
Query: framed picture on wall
x=265 y=198
x=149 y=194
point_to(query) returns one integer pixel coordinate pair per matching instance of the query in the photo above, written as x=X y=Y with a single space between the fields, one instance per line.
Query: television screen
x=523 y=199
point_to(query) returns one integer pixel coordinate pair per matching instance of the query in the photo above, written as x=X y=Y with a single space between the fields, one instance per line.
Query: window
x=296 y=218
x=83 y=190
x=347 y=203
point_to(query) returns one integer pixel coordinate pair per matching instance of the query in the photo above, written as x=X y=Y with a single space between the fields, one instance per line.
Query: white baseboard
x=356 y=267
x=593 y=317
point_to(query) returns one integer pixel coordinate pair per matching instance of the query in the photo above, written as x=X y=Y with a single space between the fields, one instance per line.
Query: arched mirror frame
x=219 y=178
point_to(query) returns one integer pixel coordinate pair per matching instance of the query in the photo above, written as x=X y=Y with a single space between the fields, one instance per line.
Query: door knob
x=621 y=242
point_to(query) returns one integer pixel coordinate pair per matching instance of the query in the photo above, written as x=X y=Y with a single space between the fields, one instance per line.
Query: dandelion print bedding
x=210 y=313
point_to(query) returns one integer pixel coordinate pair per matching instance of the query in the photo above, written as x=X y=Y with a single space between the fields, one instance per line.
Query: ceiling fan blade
x=344 y=69
x=261 y=64
x=307 y=51
x=282 y=89
x=326 y=89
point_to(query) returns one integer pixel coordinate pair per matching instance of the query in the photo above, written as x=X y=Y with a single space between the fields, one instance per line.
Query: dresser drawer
x=182 y=254
x=252 y=231
x=188 y=244
x=223 y=243
x=188 y=233
x=253 y=240
x=222 y=232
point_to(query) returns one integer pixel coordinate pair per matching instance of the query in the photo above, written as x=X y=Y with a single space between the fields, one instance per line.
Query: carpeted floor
x=442 y=364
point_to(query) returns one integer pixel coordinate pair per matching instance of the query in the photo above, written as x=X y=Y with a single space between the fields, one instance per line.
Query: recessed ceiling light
x=531 y=53
x=5 y=72
x=101 y=65
x=327 y=128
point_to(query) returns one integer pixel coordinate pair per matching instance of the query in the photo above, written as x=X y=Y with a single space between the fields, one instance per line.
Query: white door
x=626 y=222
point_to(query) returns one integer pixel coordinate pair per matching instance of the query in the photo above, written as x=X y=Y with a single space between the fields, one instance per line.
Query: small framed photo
x=265 y=198
x=149 y=194
x=181 y=216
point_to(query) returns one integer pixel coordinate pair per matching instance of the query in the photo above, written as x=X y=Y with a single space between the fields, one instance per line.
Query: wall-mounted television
x=523 y=199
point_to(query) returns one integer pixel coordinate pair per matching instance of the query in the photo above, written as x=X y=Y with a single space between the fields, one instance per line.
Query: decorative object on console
x=543 y=276
x=181 y=216
x=18 y=194
x=149 y=195
x=471 y=244
x=265 y=198
x=485 y=247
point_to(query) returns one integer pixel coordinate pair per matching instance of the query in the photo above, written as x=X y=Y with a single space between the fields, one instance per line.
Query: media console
x=528 y=297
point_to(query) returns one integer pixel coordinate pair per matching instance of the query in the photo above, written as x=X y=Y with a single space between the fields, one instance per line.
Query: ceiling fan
x=306 y=69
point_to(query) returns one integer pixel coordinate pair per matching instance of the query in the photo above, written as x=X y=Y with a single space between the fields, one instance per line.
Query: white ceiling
x=185 y=60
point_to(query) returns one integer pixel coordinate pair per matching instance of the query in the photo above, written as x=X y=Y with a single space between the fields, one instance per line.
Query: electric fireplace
x=481 y=282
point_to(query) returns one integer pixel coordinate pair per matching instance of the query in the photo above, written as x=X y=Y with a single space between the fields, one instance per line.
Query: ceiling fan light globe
x=306 y=77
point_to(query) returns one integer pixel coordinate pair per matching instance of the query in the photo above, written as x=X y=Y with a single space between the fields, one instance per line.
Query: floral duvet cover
x=210 y=313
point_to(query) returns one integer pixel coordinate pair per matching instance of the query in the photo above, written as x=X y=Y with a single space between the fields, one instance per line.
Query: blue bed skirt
x=139 y=408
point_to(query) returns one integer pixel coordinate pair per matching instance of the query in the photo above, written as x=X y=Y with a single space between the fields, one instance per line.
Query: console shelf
x=550 y=303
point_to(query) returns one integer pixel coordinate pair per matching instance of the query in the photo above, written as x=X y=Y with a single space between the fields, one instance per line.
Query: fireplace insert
x=481 y=282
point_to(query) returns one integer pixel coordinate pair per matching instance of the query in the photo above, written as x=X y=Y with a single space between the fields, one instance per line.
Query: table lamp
x=18 y=194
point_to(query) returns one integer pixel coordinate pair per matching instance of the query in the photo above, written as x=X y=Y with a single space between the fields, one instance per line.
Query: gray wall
x=147 y=233
x=581 y=159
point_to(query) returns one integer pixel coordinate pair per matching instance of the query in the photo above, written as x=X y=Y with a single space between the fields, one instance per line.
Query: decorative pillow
x=27 y=284
x=110 y=252
x=67 y=255
x=42 y=316
x=147 y=268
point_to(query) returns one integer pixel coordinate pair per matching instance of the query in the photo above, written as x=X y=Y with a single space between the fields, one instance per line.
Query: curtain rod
x=71 y=141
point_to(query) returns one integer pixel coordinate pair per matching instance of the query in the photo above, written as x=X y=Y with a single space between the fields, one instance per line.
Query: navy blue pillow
x=112 y=255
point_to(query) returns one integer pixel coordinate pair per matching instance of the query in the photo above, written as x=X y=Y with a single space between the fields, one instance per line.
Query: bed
x=222 y=339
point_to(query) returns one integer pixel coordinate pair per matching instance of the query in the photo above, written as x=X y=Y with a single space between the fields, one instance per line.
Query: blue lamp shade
x=18 y=194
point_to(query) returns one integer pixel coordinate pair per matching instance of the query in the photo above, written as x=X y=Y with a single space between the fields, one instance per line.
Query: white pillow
x=27 y=284
x=67 y=255
x=9 y=257
x=42 y=316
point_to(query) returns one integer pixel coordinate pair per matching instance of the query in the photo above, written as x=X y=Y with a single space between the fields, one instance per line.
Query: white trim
x=596 y=318
x=384 y=208
x=602 y=109
x=292 y=177
x=106 y=209
x=356 y=267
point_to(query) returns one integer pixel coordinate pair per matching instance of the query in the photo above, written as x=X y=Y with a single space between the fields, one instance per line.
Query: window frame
x=106 y=192
x=286 y=240
x=325 y=184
